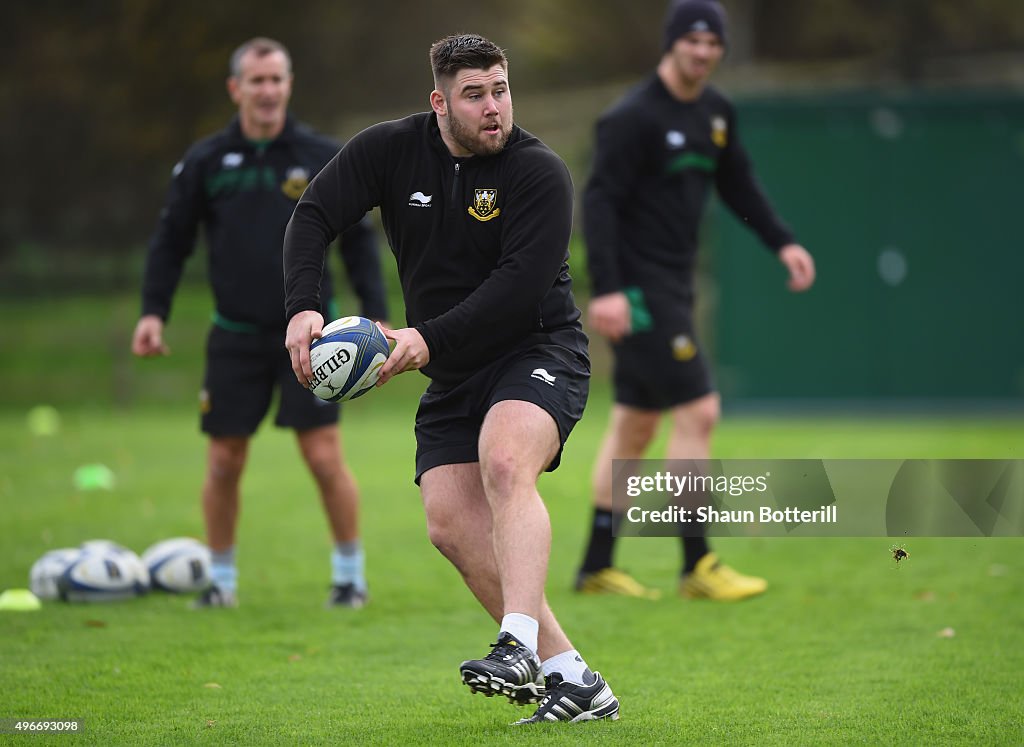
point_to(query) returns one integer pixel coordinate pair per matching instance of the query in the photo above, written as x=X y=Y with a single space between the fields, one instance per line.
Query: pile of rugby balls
x=347 y=359
x=104 y=571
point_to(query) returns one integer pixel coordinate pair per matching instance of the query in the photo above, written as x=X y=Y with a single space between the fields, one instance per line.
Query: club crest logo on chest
x=719 y=131
x=484 y=204
x=295 y=182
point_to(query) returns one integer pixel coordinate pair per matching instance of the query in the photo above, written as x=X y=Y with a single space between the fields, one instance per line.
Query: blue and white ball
x=42 y=578
x=347 y=359
x=104 y=546
x=103 y=576
x=179 y=565
x=129 y=556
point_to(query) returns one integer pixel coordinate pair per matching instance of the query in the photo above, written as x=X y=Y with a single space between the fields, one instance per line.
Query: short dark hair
x=262 y=46
x=463 y=52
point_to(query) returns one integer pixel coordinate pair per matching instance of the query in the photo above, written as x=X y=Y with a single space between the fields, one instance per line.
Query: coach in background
x=659 y=152
x=243 y=183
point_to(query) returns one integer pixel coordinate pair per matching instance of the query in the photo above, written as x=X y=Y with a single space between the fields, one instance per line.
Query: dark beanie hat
x=685 y=16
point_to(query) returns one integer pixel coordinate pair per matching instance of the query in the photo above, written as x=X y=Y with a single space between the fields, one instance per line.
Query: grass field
x=844 y=648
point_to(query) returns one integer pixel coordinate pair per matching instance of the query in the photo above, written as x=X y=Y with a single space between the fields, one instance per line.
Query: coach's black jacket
x=481 y=242
x=656 y=160
x=244 y=193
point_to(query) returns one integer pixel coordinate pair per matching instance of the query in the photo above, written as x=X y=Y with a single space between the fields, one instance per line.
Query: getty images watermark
x=804 y=497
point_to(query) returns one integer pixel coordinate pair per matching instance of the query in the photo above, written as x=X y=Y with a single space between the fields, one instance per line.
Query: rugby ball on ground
x=104 y=545
x=42 y=579
x=128 y=556
x=347 y=359
x=178 y=565
x=98 y=576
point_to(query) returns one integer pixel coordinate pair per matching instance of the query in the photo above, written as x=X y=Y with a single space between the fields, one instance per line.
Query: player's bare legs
x=321 y=450
x=459 y=523
x=692 y=426
x=517 y=441
x=226 y=458
x=489 y=520
x=630 y=432
x=339 y=494
x=704 y=577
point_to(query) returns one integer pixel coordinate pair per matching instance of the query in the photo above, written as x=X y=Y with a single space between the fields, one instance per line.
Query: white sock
x=569 y=664
x=223 y=573
x=522 y=627
x=348 y=564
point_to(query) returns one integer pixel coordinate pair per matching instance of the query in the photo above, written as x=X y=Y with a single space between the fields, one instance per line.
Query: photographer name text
x=710 y=515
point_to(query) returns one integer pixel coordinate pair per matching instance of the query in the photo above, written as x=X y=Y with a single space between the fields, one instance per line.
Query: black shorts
x=662 y=366
x=242 y=371
x=448 y=421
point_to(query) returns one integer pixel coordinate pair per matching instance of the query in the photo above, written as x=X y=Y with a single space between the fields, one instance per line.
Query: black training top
x=481 y=242
x=244 y=192
x=655 y=161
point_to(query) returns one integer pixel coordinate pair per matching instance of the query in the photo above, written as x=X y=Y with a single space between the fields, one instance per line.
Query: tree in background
x=102 y=97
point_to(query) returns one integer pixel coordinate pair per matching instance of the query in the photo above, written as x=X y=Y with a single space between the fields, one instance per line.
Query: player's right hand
x=610 y=315
x=303 y=328
x=148 y=338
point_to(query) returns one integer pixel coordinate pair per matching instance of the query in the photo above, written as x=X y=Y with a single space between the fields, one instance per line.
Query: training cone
x=94 y=477
x=19 y=600
x=43 y=420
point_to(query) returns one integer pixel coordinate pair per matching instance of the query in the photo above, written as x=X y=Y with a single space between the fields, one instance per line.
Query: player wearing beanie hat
x=660 y=152
x=685 y=16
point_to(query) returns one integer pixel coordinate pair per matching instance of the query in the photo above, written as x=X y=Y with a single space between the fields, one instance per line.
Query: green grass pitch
x=844 y=647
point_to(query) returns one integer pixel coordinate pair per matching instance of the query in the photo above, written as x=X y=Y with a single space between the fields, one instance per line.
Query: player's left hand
x=303 y=328
x=800 y=264
x=409 y=354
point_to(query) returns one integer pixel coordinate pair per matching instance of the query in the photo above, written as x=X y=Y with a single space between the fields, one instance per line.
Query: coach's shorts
x=448 y=421
x=663 y=366
x=242 y=371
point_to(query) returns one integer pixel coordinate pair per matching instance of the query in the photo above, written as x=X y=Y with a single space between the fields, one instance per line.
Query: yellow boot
x=613 y=581
x=710 y=579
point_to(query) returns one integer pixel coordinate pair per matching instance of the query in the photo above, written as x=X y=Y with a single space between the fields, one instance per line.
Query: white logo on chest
x=418 y=199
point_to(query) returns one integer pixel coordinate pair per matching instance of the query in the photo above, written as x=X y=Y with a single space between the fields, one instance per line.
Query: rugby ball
x=104 y=546
x=347 y=359
x=130 y=558
x=103 y=577
x=178 y=565
x=42 y=578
